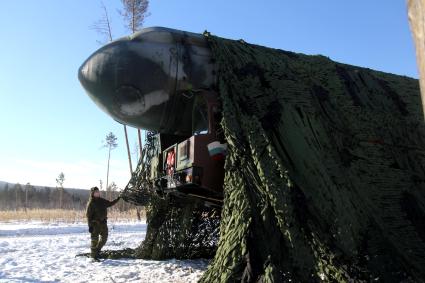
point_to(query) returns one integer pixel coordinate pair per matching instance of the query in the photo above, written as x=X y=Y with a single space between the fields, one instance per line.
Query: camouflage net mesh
x=324 y=175
x=325 y=170
x=139 y=188
x=177 y=228
x=182 y=228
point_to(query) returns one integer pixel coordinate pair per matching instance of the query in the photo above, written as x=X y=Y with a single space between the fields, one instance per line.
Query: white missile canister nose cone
x=139 y=80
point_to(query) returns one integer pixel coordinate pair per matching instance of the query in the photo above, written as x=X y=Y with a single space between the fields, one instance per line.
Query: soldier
x=97 y=220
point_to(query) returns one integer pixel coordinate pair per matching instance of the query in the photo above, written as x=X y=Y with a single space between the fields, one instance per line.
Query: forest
x=26 y=196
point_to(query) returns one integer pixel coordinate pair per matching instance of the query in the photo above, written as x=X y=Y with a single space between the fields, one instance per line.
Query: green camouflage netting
x=139 y=189
x=325 y=171
x=178 y=227
x=324 y=176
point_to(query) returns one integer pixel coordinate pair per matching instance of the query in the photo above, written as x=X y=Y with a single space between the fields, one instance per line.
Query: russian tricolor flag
x=217 y=150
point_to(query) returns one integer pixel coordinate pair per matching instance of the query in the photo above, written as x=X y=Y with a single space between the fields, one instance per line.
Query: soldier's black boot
x=95 y=254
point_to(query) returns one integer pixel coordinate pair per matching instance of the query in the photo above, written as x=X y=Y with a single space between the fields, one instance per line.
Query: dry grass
x=63 y=215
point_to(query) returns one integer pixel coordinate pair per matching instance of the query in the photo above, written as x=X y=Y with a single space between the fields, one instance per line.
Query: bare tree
x=135 y=150
x=128 y=149
x=27 y=186
x=17 y=194
x=112 y=189
x=110 y=142
x=139 y=135
x=103 y=26
x=134 y=13
x=59 y=184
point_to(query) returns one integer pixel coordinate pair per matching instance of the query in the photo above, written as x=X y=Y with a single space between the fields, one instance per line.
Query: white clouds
x=78 y=174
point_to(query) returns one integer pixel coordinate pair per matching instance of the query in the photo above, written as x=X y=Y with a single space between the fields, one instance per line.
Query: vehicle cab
x=194 y=165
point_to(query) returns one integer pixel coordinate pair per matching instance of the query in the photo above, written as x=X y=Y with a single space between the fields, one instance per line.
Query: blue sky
x=49 y=125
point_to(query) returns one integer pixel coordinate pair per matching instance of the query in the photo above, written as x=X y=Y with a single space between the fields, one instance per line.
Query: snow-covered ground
x=45 y=252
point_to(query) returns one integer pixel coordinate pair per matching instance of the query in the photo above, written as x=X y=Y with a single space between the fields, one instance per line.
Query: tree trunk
x=16 y=199
x=107 y=172
x=139 y=135
x=60 y=197
x=417 y=25
x=139 y=218
x=26 y=198
x=128 y=150
x=325 y=171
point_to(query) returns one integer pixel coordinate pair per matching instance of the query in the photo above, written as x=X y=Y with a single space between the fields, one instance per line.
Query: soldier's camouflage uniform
x=97 y=221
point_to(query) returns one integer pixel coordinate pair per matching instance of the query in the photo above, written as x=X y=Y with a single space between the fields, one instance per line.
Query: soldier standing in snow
x=97 y=220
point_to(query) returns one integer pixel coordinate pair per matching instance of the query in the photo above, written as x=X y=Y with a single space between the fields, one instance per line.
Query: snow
x=45 y=252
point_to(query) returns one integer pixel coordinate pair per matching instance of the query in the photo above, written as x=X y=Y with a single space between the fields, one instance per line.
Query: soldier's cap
x=94 y=189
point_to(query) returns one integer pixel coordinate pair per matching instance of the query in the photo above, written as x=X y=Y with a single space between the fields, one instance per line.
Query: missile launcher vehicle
x=163 y=80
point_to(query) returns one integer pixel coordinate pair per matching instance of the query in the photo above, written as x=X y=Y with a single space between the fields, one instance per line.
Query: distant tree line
x=22 y=197
x=18 y=197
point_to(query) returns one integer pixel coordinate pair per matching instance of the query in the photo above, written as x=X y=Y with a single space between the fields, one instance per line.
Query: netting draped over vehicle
x=139 y=189
x=178 y=227
x=325 y=175
x=325 y=170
